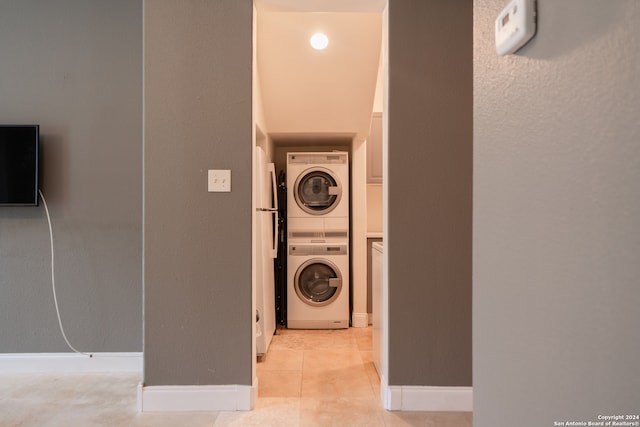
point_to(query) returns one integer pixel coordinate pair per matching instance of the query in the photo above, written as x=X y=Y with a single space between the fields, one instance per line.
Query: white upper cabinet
x=374 y=150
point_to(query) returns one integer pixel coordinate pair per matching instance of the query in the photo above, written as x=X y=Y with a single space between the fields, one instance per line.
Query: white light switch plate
x=219 y=181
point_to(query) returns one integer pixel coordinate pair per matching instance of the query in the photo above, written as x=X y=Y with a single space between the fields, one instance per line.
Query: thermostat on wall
x=515 y=26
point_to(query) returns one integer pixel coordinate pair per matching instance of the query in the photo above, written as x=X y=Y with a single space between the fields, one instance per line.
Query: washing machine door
x=318 y=282
x=317 y=191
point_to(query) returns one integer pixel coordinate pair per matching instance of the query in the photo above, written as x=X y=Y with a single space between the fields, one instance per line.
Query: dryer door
x=317 y=191
x=318 y=282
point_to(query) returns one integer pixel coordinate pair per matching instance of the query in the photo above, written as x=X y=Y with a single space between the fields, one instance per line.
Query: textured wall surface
x=75 y=68
x=197 y=270
x=556 y=216
x=429 y=207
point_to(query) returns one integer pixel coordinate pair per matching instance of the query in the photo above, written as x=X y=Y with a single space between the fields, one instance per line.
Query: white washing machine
x=318 y=286
x=318 y=195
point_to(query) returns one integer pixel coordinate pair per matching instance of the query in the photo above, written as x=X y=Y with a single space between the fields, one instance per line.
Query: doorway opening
x=316 y=100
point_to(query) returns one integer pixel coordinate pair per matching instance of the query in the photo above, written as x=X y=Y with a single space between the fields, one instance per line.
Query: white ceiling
x=308 y=91
x=321 y=5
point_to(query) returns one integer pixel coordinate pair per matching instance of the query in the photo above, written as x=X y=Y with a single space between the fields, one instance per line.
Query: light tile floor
x=308 y=378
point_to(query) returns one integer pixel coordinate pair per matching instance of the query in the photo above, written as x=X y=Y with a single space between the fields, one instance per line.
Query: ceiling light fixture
x=319 y=41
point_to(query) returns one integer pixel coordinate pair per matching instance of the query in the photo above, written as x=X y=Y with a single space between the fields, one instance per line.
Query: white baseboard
x=24 y=363
x=196 y=398
x=359 y=320
x=424 y=398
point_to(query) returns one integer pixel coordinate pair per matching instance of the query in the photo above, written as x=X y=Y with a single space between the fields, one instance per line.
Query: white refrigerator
x=266 y=249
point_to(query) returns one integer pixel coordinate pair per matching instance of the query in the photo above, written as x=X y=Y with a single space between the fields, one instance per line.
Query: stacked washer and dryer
x=318 y=240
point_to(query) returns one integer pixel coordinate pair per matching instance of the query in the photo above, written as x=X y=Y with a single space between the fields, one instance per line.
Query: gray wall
x=75 y=68
x=198 y=245
x=197 y=257
x=429 y=176
x=556 y=216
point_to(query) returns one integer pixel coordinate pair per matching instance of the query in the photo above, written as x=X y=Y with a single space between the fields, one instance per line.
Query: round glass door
x=318 y=282
x=317 y=191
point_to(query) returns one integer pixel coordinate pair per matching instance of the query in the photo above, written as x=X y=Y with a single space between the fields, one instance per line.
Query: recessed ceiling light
x=319 y=41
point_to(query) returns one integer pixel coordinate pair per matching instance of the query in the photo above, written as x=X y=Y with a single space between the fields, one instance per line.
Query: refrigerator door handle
x=274 y=249
x=271 y=167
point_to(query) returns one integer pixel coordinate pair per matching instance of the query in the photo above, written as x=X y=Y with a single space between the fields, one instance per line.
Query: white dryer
x=318 y=286
x=318 y=194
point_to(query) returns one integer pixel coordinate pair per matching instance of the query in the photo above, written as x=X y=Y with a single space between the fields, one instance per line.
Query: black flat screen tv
x=19 y=163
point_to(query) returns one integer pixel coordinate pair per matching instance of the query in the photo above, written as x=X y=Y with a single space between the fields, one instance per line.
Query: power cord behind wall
x=53 y=279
